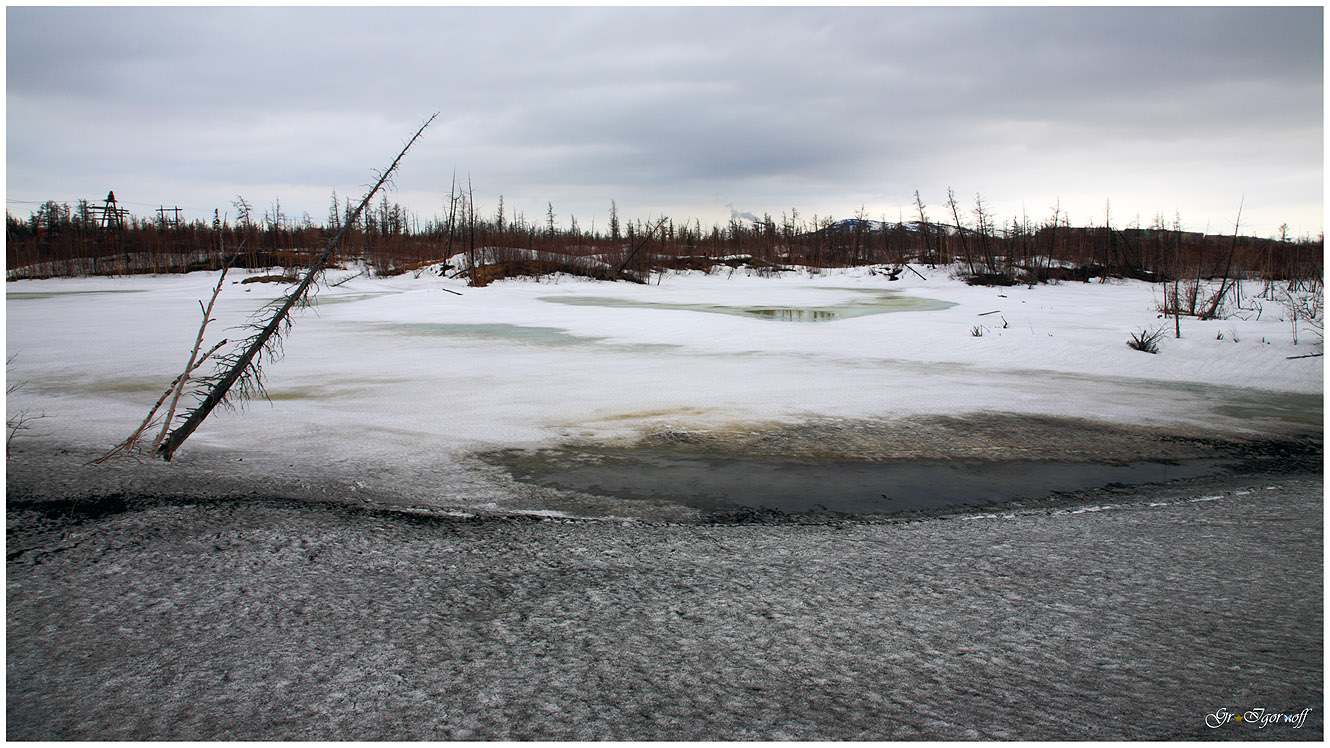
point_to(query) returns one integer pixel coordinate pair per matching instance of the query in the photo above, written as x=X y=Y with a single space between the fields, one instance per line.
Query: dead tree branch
x=193 y=355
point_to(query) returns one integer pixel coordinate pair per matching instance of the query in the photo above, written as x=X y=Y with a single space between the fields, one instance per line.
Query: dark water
x=824 y=485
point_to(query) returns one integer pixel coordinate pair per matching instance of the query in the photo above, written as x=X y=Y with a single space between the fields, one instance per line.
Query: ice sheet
x=388 y=366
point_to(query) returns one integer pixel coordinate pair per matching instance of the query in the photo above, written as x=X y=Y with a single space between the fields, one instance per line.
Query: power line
x=126 y=202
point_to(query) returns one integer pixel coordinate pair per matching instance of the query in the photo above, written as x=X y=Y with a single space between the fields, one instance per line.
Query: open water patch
x=875 y=302
x=31 y=295
x=531 y=335
x=83 y=384
x=348 y=298
x=721 y=484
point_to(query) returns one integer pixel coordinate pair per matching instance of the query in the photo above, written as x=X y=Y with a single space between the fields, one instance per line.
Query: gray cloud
x=678 y=109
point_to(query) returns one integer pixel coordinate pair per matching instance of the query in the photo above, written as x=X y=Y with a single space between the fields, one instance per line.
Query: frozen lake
x=398 y=382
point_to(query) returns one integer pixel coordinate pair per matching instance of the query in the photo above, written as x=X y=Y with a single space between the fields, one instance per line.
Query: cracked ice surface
x=264 y=620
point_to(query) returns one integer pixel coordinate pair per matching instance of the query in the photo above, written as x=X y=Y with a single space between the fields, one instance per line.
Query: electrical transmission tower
x=108 y=216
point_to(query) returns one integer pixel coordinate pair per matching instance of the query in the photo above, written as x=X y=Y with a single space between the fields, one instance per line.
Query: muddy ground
x=208 y=601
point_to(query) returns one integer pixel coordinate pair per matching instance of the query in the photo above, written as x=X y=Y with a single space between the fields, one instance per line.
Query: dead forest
x=63 y=240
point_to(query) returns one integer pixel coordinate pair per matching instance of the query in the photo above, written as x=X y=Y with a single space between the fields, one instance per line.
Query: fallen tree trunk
x=244 y=367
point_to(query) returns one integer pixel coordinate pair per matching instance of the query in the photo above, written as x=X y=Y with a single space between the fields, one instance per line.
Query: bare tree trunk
x=923 y=227
x=1218 y=299
x=960 y=230
x=471 y=228
x=243 y=366
x=1177 y=310
x=452 y=212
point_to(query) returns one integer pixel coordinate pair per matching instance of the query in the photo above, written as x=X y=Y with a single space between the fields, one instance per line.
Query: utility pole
x=163 y=222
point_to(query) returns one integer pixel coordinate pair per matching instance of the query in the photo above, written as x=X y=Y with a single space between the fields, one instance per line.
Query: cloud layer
x=691 y=112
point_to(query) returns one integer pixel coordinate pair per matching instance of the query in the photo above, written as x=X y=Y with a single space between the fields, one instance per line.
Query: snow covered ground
x=205 y=605
x=407 y=373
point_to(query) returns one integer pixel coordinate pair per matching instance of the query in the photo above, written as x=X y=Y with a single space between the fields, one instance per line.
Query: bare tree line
x=57 y=240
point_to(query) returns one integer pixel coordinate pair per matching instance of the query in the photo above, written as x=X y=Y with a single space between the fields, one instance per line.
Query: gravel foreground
x=1121 y=614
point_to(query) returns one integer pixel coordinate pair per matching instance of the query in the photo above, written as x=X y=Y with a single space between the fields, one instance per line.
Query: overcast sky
x=686 y=112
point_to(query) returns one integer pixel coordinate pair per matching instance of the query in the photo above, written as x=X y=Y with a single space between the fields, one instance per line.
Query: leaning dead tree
x=623 y=266
x=242 y=371
x=131 y=445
